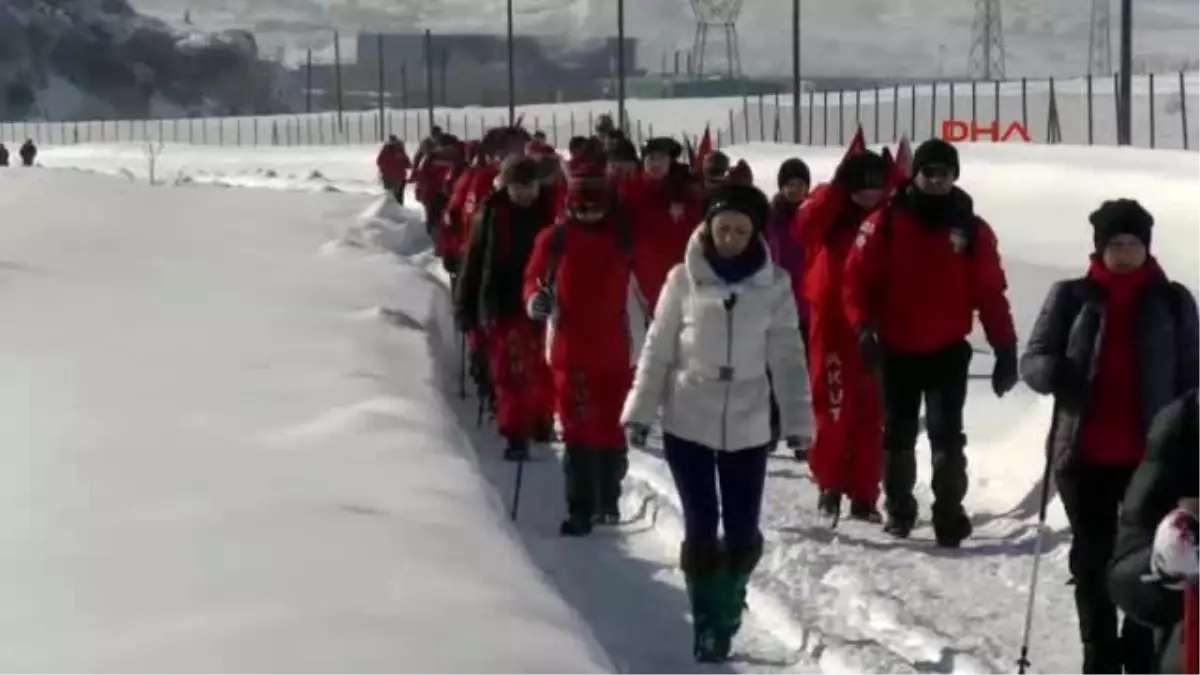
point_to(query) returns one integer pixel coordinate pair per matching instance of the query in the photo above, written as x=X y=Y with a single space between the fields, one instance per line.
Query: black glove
x=869 y=347
x=1004 y=373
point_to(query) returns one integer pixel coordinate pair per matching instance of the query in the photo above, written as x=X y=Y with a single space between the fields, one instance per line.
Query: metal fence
x=1079 y=112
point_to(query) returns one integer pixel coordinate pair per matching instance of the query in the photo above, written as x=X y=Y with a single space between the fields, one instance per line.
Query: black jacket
x=1064 y=349
x=1168 y=473
x=491 y=279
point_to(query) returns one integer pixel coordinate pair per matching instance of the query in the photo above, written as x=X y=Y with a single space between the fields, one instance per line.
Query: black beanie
x=791 y=169
x=1120 y=216
x=623 y=151
x=935 y=151
x=716 y=164
x=745 y=199
x=862 y=171
x=664 y=145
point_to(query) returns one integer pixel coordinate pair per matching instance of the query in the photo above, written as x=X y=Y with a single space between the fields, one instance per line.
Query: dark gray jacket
x=1064 y=348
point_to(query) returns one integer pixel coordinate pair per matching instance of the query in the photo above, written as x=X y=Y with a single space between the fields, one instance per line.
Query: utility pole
x=512 y=87
x=796 y=72
x=1125 y=123
x=429 y=77
x=621 y=121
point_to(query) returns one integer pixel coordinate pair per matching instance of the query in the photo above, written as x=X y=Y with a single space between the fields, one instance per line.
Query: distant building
x=470 y=69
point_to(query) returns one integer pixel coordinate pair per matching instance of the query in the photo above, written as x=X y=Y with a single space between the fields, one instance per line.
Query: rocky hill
x=73 y=59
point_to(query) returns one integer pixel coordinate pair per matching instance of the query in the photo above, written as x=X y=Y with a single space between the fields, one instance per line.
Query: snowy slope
x=851 y=601
x=225 y=449
x=860 y=37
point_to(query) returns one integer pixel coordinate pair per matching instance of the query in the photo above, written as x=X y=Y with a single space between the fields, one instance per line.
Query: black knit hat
x=622 y=151
x=745 y=199
x=791 y=169
x=862 y=171
x=1120 y=216
x=716 y=164
x=662 y=145
x=933 y=152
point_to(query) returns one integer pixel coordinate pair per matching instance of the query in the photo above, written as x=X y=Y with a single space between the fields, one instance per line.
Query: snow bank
x=226 y=449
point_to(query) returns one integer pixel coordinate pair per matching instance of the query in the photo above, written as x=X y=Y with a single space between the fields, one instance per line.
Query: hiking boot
x=733 y=580
x=865 y=511
x=829 y=504
x=517 y=450
x=575 y=527
x=702 y=575
x=951 y=528
x=801 y=454
x=543 y=432
x=899 y=526
x=608 y=518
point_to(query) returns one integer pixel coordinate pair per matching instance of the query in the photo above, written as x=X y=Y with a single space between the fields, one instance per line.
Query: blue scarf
x=741 y=266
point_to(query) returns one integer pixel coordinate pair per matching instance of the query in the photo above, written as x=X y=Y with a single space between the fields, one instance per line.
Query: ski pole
x=1023 y=661
x=516 y=499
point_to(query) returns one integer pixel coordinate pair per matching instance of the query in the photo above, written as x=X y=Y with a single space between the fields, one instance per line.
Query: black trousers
x=593 y=480
x=939 y=379
x=1092 y=496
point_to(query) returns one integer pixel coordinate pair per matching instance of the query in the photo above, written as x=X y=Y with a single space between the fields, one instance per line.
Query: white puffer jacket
x=707 y=353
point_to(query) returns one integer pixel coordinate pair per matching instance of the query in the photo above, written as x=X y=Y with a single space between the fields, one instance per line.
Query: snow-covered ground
x=225 y=450
x=845 y=601
x=826 y=118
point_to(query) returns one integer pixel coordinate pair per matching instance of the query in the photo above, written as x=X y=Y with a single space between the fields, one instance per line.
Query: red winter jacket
x=665 y=213
x=919 y=284
x=470 y=191
x=591 y=285
x=826 y=227
x=393 y=162
x=1111 y=431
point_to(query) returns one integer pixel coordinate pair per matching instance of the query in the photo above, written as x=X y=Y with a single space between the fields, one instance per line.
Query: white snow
x=225 y=449
x=845 y=601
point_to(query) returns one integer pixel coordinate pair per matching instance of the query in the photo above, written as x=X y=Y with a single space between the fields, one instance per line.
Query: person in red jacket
x=922 y=266
x=393 y=165
x=845 y=459
x=664 y=202
x=489 y=298
x=578 y=279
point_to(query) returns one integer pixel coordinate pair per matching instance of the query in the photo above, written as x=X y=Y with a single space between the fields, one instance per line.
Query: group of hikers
x=27 y=152
x=821 y=319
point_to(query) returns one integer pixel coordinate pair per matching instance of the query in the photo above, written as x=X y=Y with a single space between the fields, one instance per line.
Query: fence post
x=553 y=127
x=825 y=117
x=1152 y=134
x=996 y=102
x=975 y=102
x=762 y=120
x=382 y=86
x=746 y=117
x=841 y=117
x=952 y=99
x=895 y=112
x=1183 y=109
x=1117 y=101
x=812 y=108
x=732 y=134
x=913 y=101
x=875 y=136
x=337 y=76
x=572 y=118
x=1024 y=103
x=857 y=107
x=933 y=110
x=1091 y=115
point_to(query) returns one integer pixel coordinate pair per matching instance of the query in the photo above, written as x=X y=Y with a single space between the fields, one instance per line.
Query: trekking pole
x=1023 y=661
x=516 y=498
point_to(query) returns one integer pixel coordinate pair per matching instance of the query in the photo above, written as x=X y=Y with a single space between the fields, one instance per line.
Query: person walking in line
x=921 y=268
x=1113 y=348
x=726 y=316
x=1155 y=567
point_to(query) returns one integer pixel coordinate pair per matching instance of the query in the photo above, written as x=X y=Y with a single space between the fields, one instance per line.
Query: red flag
x=705 y=149
x=904 y=156
x=691 y=152
x=894 y=176
x=857 y=144
x=1191 y=629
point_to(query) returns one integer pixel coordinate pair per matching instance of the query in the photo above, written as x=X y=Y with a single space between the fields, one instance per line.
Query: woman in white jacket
x=726 y=316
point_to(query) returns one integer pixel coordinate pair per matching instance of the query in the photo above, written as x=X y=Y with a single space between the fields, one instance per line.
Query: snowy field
x=1166 y=114
x=225 y=449
x=846 y=601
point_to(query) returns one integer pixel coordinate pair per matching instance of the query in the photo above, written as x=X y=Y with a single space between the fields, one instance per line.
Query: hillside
x=921 y=38
x=71 y=59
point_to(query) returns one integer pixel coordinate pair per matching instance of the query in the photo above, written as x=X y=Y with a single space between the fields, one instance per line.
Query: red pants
x=589 y=406
x=520 y=377
x=847 y=455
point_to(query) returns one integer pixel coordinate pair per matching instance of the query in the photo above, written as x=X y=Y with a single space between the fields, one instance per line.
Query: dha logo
x=960 y=130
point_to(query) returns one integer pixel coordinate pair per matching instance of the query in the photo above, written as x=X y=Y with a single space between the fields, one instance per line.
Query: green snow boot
x=702 y=576
x=733 y=582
